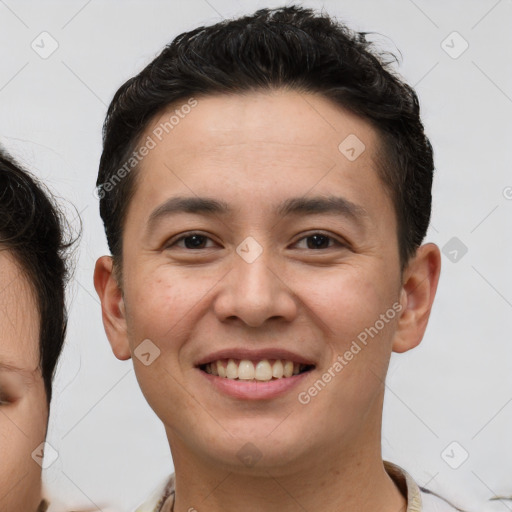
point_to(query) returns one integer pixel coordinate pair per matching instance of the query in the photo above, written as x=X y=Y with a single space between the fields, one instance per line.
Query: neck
x=353 y=479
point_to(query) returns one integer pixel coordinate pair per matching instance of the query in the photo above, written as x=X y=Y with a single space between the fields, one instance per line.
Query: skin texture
x=23 y=404
x=254 y=151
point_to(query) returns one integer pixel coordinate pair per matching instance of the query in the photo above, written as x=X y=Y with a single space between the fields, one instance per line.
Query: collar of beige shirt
x=163 y=500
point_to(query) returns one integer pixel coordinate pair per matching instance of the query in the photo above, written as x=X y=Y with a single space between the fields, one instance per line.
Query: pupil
x=197 y=241
x=319 y=240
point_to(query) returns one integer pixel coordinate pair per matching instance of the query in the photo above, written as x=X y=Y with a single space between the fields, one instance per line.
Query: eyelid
x=331 y=236
x=182 y=236
x=4 y=399
x=13 y=386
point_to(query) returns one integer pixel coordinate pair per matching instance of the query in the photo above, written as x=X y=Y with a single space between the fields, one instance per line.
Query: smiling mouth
x=263 y=370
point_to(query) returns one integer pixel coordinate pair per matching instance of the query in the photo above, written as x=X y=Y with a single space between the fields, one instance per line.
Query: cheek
x=158 y=305
x=22 y=430
x=348 y=301
x=161 y=311
x=358 y=309
x=15 y=448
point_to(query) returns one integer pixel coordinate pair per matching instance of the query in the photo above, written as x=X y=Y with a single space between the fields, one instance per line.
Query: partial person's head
x=226 y=162
x=33 y=325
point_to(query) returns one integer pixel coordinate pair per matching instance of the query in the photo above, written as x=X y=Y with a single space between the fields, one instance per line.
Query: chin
x=250 y=452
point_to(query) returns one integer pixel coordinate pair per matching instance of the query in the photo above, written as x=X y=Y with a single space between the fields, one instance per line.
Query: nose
x=255 y=292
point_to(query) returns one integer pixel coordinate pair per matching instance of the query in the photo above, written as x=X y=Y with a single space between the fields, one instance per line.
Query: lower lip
x=255 y=390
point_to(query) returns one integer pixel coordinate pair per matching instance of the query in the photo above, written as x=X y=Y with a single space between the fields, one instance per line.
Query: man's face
x=23 y=406
x=261 y=282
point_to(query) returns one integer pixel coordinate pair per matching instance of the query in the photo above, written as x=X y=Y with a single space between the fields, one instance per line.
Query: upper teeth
x=248 y=370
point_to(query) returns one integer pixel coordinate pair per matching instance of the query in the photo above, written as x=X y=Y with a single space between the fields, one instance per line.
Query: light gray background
x=457 y=386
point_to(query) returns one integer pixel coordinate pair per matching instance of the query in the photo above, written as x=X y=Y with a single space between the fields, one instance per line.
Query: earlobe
x=417 y=295
x=112 y=307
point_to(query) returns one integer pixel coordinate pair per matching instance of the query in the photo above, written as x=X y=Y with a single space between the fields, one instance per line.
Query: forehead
x=293 y=123
x=19 y=317
x=261 y=145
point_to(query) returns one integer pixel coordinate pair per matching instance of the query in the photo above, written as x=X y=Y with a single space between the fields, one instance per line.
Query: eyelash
x=194 y=233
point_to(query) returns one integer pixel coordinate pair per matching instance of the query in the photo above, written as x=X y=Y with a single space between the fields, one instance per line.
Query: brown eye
x=191 y=241
x=316 y=241
x=194 y=241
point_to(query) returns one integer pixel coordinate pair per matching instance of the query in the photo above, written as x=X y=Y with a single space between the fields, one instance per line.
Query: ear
x=419 y=287
x=112 y=307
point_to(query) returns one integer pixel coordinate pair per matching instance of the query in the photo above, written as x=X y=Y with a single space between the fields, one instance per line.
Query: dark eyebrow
x=292 y=206
x=198 y=205
x=321 y=204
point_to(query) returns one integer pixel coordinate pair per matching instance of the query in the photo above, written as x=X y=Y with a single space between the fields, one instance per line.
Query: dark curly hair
x=289 y=47
x=32 y=229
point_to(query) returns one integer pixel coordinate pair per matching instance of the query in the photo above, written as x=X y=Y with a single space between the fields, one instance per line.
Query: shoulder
x=418 y=498
x=434 y=503
x=163 y=495
x=46 y=506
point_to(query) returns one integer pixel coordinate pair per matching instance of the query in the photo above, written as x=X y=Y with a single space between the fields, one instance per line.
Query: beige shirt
x=56 y=506
x=418 y=500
